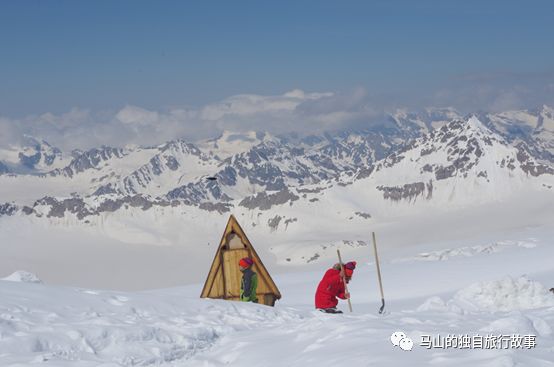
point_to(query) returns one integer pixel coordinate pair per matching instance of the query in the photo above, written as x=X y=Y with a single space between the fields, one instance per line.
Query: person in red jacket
x=331 y=287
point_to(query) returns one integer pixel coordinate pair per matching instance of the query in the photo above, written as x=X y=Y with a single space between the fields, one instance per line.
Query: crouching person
x=332 y=287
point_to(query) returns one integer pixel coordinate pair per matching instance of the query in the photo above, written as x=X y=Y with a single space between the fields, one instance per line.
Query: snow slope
x=535 y=127
x=461 y=164
x=473 y=295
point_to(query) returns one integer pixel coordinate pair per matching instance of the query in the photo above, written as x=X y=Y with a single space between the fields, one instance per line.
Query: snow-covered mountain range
x=406 y=157
x=323 y=191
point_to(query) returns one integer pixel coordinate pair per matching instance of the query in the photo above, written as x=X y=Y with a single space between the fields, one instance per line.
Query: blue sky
x=100 y=56
x=56 y=55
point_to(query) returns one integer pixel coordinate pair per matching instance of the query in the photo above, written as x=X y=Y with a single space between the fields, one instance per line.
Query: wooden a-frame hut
x=224 y=278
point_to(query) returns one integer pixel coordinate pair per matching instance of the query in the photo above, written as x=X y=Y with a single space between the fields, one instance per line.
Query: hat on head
x=349 y=268
x=350 y=265
x=246 y=262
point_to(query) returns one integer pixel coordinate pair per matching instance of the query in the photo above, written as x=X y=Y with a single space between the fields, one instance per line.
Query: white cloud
x=495 y=91
x=138 y=116
x=251 y=104
x=295 y=110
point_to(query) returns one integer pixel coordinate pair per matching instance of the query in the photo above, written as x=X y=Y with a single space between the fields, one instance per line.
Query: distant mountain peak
x=31 y=156
x=230 y=142
x=473 y=123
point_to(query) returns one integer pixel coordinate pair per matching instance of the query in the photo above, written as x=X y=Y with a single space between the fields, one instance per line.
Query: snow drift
x=503 y=295
x=23 y=276
x=506 y=294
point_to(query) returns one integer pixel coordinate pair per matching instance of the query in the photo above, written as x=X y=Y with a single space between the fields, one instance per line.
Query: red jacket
x=330 y=287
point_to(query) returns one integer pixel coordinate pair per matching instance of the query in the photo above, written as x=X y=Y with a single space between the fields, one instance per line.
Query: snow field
x=75 y=327
x=42 y=324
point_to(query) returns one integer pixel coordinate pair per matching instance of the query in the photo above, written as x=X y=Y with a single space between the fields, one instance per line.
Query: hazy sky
x=96 y=58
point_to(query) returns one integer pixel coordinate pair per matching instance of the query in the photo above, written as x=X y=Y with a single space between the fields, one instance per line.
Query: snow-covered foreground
x=495 y=290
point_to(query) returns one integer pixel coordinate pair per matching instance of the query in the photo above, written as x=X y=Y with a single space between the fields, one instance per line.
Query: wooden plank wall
x=216 y=290
x=231 y=271
x=214 y=281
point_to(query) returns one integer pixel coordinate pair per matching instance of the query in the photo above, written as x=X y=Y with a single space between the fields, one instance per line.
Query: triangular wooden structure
x=224 y=278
